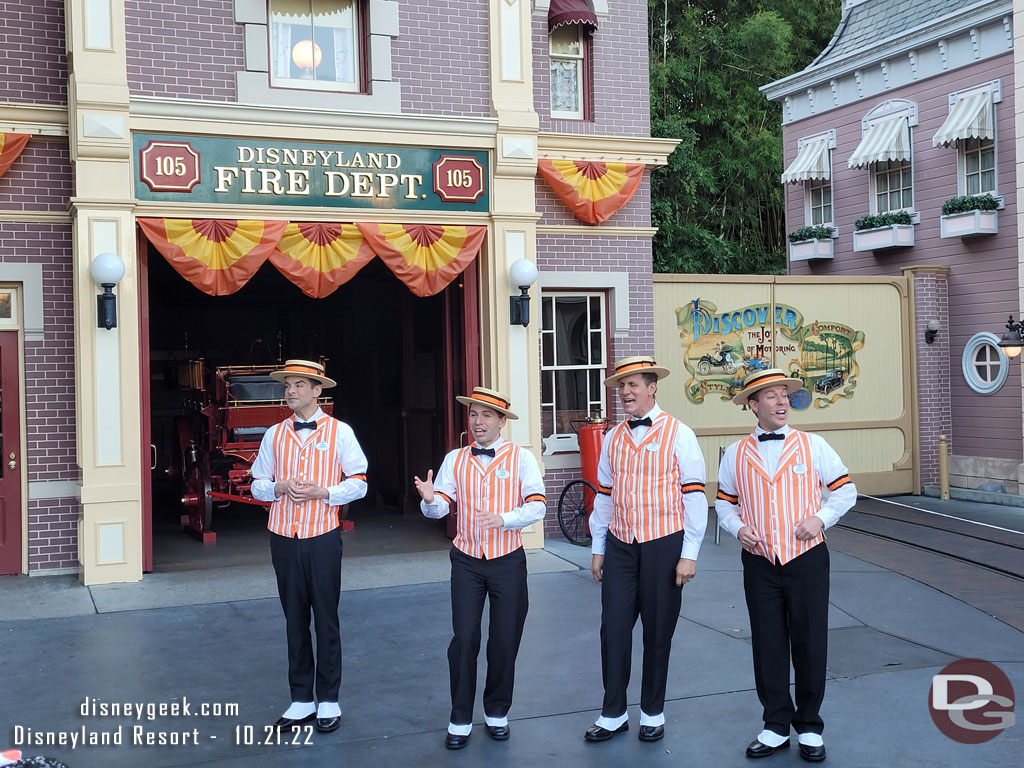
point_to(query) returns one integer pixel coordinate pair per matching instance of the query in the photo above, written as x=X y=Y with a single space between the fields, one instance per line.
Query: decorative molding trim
x=152 y=115
x=37 y=217
x=32 y=119
x=616 y=149
x=961 y=37
x=30 y=275
x=163 y=208
x=616 y=283
x=55 y=489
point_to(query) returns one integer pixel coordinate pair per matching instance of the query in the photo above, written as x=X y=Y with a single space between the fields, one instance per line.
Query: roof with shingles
x=873 y=21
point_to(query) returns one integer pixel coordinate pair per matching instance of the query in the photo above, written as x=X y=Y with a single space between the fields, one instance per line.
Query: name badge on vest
x=799 y=469
x=321 y=446
x=652 y=447
x=502 y=474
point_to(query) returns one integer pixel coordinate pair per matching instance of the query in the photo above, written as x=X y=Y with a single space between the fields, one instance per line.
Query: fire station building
x=188 y=186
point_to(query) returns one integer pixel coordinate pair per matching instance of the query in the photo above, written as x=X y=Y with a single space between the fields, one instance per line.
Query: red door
x=10 y=452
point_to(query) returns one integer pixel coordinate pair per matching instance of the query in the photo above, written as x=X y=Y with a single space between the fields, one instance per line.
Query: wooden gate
x=849 y=340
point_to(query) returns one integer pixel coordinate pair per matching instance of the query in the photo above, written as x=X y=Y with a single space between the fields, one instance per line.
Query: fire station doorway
x=399 y=361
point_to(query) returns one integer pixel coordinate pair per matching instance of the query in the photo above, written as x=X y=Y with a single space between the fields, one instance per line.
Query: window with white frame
x=574 y=343
x=979 y=166
x=569 y=51
x=316 y=44
x=983 y=364
x=894 y=190
x=819 y=202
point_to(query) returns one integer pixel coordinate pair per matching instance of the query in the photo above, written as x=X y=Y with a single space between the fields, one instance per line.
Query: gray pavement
x=217 y=638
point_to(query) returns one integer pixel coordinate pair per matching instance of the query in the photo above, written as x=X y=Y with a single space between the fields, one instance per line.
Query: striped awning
x=811 y=163
x=887 y=140
x=970 y=118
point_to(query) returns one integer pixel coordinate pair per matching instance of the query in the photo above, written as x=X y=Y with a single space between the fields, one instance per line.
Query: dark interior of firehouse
x=399 y=359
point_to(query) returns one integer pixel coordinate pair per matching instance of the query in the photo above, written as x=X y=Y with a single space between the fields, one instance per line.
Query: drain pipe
x=943 y=469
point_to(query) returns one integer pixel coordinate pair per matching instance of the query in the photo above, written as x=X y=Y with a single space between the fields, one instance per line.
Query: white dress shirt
x=827 y=465
x=691 y=469
x=530 y=480
x=353 y=462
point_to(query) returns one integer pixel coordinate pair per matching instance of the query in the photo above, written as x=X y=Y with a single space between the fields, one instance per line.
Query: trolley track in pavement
x=996 y=549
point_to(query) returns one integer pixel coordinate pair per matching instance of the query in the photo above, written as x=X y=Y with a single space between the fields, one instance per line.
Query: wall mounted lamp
x=1013 y=340
x=107 y=269
x=933 y=329
x=522 y=274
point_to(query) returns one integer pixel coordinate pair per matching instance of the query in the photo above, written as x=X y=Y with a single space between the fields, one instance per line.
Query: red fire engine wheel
x=197 y=501
x=574 y=507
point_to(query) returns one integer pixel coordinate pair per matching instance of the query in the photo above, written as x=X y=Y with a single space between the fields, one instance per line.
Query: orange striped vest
x=315 y=460
x=646 y=493
x=492 y=490
x=774 y=505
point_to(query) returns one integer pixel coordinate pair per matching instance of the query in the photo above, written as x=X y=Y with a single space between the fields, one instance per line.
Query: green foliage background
x=718 y=204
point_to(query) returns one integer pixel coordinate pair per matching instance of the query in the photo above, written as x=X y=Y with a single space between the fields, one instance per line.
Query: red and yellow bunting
x=593 y=191
x=320 y=257
x=11 y=145
x=424 y=257
x=217 y=256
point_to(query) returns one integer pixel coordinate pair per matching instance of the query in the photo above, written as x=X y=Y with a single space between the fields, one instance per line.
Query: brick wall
x=39 y=179
x=933 y=401
x=621 y=93
x=596 y=253
x=186 y=49
x=441 y=58
x=49 y=396
x=33 y=61
x=635 y=213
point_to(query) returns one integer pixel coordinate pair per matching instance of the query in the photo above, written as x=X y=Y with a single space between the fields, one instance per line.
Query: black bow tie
x=304 y=425
x=483 y=451
x=644 y=422
x=770 y=436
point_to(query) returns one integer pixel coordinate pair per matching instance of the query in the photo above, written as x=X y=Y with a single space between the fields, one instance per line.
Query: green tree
x=718 y=204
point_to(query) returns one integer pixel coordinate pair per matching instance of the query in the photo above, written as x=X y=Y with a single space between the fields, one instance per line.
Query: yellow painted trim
x=163 y=209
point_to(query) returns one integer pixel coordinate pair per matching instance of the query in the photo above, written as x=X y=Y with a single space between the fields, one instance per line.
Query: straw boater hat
x=627 y=366
x=758 y=380
x=305 y=368
x=489 y=398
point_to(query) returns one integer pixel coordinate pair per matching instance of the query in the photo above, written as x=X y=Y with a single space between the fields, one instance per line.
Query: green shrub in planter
x=968 y=203
x=882 y=220
x=810 y=233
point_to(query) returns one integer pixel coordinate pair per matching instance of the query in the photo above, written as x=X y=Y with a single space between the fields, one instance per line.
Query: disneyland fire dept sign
x=215 y=170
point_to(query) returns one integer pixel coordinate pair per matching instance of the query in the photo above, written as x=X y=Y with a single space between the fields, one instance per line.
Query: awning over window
x=970 y=118
x=811 y=163
x=220 y=256
x=887 y=140
x=593 y=191
x=571 y=12
x=11 y=145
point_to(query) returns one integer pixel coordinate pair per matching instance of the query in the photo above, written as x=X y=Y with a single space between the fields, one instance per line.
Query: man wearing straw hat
x=647 y=526
x=309 y=465
x=499 y=490
x=771 y=486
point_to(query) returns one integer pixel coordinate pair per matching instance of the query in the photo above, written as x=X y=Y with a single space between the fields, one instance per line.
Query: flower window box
x=805 y=250
x=970 y=224
x=882 y=238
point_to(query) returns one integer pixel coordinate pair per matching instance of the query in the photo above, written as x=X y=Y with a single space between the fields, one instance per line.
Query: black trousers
x=309 y=578
x=788 y=606
x=639 y=581
x=503 y=582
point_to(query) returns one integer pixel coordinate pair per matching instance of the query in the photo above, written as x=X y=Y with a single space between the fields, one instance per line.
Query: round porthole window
x=984 y=365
